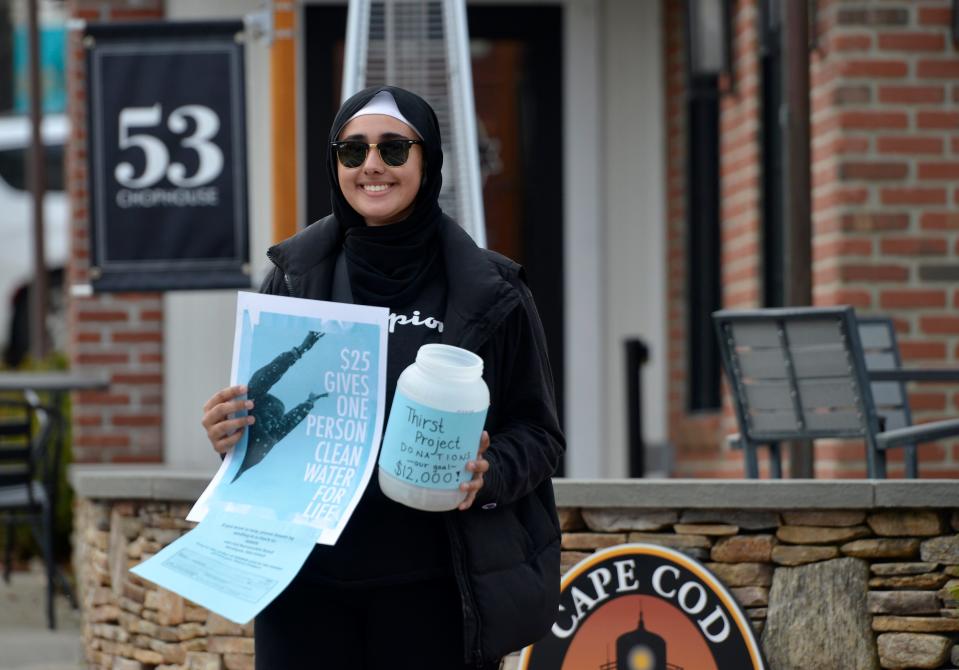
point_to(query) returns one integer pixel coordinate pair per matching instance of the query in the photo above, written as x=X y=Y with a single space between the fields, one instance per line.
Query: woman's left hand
x=478 y=467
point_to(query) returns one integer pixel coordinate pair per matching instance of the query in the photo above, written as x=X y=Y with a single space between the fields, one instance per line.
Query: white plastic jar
x=435 y=425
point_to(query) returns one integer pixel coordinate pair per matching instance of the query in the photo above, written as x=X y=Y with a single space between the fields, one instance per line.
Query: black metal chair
x=877 y=334
x=28 y=477
x=801 y=374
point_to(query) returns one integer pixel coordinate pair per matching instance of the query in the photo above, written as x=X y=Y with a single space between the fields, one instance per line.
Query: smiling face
x=379 y=193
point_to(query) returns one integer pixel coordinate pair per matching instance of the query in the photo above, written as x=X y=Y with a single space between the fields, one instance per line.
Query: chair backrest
x=881 y=352
x=17 y=466
x=796 y=373
x=26 y=427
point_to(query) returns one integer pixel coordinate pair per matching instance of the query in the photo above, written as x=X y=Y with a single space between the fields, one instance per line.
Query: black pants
x=406 y=627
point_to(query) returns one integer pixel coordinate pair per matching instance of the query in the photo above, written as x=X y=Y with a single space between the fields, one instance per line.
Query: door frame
x=583 y=229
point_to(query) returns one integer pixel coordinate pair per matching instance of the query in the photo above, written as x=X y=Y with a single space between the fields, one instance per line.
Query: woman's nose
x=373 y=162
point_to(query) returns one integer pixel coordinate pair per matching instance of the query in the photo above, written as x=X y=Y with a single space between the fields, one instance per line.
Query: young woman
x=404 y=588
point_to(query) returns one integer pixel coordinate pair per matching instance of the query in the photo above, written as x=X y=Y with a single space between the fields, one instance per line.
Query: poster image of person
x=273 y=422
x=313 y=374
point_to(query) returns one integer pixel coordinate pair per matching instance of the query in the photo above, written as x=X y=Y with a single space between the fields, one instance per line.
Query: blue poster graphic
x=315 y=372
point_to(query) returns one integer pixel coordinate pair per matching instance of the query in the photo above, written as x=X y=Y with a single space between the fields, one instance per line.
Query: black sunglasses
x=352 y=153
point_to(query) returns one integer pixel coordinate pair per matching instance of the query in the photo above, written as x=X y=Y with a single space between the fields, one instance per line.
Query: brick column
x=885 y=163
x=121 y=332
x=699 y=441
x=741 y=197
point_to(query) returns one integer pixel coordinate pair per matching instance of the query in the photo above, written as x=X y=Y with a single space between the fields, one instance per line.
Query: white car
x=16 y=223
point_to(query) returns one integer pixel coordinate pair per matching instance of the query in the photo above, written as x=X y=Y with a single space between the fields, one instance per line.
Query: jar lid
x=450 y=362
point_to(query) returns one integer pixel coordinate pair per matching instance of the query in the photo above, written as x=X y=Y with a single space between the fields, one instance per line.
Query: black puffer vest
x=506 y=547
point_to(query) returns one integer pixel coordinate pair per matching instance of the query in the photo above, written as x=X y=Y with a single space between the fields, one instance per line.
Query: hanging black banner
x=167 y=156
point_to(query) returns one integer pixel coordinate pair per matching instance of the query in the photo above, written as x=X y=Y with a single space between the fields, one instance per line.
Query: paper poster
x=316 y=374
x=234 y=566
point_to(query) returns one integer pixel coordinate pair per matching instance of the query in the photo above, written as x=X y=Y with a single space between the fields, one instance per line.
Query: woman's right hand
x=222 y=430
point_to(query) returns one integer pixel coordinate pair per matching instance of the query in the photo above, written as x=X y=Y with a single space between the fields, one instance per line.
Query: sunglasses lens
x=352 y=154
x=395 y=152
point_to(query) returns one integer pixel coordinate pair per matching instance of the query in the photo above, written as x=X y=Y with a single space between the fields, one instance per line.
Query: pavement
x=25 y=641
x=27 y=644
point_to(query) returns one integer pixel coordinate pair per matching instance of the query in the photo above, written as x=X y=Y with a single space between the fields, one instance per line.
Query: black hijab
x=389 y=265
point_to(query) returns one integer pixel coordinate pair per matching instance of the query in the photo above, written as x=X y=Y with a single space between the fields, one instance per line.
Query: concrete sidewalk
x=25 y=642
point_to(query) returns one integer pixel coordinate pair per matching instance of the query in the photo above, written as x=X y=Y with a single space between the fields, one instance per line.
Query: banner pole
x=38 y=292
x=283 y=102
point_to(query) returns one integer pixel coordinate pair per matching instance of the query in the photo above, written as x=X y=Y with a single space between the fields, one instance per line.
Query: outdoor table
x=55 y=381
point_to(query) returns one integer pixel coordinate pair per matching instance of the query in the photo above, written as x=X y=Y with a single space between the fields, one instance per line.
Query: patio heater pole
x=38 y=292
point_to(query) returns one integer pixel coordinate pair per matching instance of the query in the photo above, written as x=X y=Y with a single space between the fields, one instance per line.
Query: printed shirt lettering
x=414 y=320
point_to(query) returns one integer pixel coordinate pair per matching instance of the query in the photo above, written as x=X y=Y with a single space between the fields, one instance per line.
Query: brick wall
x=120 y=332
x=885 y=159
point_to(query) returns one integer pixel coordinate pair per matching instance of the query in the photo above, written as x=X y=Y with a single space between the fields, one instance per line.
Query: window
x=704 y=292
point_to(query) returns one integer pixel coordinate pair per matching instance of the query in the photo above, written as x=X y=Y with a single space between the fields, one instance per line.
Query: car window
x=13 y=167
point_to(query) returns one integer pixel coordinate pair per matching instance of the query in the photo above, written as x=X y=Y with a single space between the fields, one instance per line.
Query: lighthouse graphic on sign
x=639 y=649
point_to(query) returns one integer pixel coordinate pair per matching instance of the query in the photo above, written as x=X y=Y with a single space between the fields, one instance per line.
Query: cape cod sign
x=645 y=607
x=167 y=138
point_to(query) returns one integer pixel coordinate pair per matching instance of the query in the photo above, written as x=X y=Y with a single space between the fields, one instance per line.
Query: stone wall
x=909 y=560
x=130 y=624
x=834 y=575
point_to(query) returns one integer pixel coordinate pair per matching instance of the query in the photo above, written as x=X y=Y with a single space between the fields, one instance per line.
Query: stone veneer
x=786 y=550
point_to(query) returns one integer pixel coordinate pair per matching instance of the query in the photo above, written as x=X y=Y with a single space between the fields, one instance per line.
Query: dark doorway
x=517 y=79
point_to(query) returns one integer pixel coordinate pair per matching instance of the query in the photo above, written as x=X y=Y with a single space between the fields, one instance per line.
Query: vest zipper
x=286 y=277
x=472 y=626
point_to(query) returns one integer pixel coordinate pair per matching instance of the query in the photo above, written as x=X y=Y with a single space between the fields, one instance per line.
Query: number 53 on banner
x=206 y=124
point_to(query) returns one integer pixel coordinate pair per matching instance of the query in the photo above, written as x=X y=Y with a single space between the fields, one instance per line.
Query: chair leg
x=752 y=464
x=44 y=531
x=775 y=461
x=51 y=574
x=911 y=458
x=8 y=553
x=66 y=589
x=875 y=461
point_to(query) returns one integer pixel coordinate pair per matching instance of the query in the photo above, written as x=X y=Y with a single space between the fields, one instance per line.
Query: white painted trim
x=655 y=381
x=634 y=193
x=583 y=239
